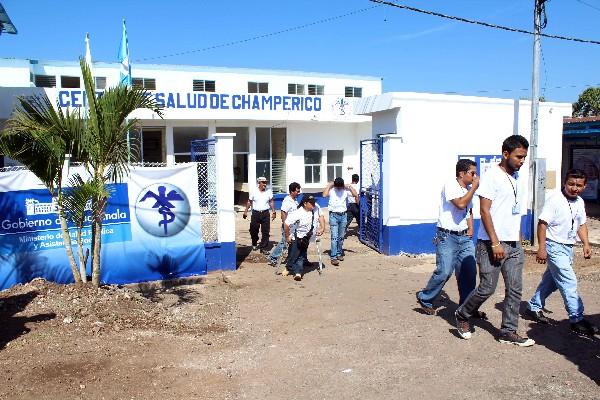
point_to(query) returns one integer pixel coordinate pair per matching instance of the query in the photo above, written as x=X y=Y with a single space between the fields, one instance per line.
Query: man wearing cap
x=338 y=196
x=289 y=204
x=261 y=200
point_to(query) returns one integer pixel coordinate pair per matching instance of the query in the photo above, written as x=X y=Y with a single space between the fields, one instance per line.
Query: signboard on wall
x=151 y=229
x=588 y=160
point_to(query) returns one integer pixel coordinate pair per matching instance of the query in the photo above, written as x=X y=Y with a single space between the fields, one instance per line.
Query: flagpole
x=125 y=76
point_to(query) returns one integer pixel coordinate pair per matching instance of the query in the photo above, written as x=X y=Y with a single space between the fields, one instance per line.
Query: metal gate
x=371 y=187
x=203 y=153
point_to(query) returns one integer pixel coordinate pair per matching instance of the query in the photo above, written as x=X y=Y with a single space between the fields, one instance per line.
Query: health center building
x=289 y=125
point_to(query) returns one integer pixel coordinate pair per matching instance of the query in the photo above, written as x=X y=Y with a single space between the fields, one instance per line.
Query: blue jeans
x=454 y=253
x=278 y=249
x=559 y=275
x=337 y=226
x=296 y=259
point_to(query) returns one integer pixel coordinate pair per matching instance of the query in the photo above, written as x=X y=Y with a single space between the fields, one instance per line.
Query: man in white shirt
x=261 y=200
x=338 y=195
x=499 y=243
x=455 y=250
x=561 y=220
x=289 y=204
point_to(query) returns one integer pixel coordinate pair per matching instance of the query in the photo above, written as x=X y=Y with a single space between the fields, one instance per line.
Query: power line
x=266 y=35
x=588 y=4
x=486 y=24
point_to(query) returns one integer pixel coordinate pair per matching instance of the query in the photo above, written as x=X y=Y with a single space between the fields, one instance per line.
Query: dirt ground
x=353 y=332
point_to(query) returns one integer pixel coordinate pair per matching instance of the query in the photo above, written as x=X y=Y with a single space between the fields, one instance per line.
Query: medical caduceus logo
x=162 y=209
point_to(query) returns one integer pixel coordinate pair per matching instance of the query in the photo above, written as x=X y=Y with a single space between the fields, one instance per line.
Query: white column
x=252 y=158
x=226 y=212
x=169 y=146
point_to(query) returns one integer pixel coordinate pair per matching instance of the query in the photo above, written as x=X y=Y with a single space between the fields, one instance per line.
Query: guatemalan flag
x=125 y=73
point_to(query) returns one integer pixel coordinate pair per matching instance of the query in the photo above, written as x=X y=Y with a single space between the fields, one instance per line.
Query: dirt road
x=352 y=333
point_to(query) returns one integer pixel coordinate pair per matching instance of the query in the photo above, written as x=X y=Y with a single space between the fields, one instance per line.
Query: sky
x=409 y=51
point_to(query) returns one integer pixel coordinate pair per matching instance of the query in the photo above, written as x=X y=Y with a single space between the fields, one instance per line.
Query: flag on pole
x=88 y=53
x=125 y=73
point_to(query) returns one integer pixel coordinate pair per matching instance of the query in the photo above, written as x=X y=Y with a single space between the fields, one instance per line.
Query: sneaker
x=537 y=316
x=463 y=326
x=297 y=277
x=514 y=338
x=584 y=328
x=334 y=261
x=425 y=309
x=341 y=258
x=254 y=247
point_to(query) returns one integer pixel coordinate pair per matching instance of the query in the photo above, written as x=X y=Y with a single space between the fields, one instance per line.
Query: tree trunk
x=67 y=241
x=82 y=259
x=96 y=252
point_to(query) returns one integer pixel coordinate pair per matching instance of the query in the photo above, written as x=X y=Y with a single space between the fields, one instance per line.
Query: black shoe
x=585 y=328
x=538 y=316
x=254 y=247
x=264 y=251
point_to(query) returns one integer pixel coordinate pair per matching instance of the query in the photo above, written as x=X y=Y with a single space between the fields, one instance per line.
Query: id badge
x=572 y=234
x=516 y=209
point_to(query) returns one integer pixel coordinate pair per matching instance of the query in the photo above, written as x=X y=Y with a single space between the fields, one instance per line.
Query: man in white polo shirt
x=499 y=243
x=338 y=196
x=289 y=204
x=261 y=201
x=562 y=219
x=454 y=244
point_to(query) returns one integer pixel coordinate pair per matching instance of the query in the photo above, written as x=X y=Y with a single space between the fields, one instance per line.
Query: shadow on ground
x=12 y=326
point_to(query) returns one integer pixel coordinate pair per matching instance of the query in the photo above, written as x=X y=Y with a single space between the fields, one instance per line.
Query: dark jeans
x=454 y=253
x=352 y=212
x=511 y=268
x=262 y=220
x=296 y=259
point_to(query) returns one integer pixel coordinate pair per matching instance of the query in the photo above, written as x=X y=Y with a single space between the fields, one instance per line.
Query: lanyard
x=571 y=212
x=511 y=184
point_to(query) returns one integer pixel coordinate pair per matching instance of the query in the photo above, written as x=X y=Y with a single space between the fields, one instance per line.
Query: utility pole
x=535 y=173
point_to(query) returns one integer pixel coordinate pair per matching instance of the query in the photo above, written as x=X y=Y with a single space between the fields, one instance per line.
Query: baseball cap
x=261 y=179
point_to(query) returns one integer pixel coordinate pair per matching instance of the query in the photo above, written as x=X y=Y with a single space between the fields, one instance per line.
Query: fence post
x=226 y=212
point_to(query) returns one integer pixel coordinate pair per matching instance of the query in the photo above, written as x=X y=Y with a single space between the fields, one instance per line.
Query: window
x=316 y=90
x=100 y=82
x=335 y=159
x=144 y=83
x=295 y=88
x=69 y=82
x=182 y=138
x=258 y=87
x=312 y=166
x=353 y=92
x=200 y=85
x=241 y=146
x=149 y=144
x=263 y=153
x=45 y=81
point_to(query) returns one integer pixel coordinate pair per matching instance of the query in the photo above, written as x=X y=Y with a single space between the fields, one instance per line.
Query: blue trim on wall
x=220 y=256
x=418 y=238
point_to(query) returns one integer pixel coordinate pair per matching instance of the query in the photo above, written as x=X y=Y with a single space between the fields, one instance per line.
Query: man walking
x=562 y=219
x=499 y=243
x=338 y=195
x=353 y=210
x=454 y=245
x=289 y=204
x=261 y=200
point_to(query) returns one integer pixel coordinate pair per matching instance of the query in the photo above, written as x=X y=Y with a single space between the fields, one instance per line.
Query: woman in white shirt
x=307 y=220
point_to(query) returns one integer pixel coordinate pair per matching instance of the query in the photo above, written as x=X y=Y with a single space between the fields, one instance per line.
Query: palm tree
x=105 y=149
x=39 y=137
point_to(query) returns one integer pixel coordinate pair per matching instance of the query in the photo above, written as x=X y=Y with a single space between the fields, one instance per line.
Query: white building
x=290 y=126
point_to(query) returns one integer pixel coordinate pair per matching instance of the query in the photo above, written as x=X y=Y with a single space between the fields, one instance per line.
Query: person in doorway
x=338 y=194
x=353 y=210
x=261 y=201
x=499 y=247
x=306 y=220
x=455 y=250
x=289 y=204
x=562 y=219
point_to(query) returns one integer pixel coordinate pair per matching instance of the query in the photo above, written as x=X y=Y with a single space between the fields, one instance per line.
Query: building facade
x=289 y=126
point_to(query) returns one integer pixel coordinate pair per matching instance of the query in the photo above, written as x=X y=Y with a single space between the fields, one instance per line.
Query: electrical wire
x=588 y=4
x=266 y=35
x=486 y=24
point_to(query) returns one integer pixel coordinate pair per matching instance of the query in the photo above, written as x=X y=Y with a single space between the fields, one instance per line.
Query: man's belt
x=459 y=233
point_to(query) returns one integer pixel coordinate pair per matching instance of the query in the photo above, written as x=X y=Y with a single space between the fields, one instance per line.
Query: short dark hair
x=338 y=182
x=307 y=198
x=514 y=142
x=464 y=164
x=576 y=173
x=355 y=178
x=294 y=186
